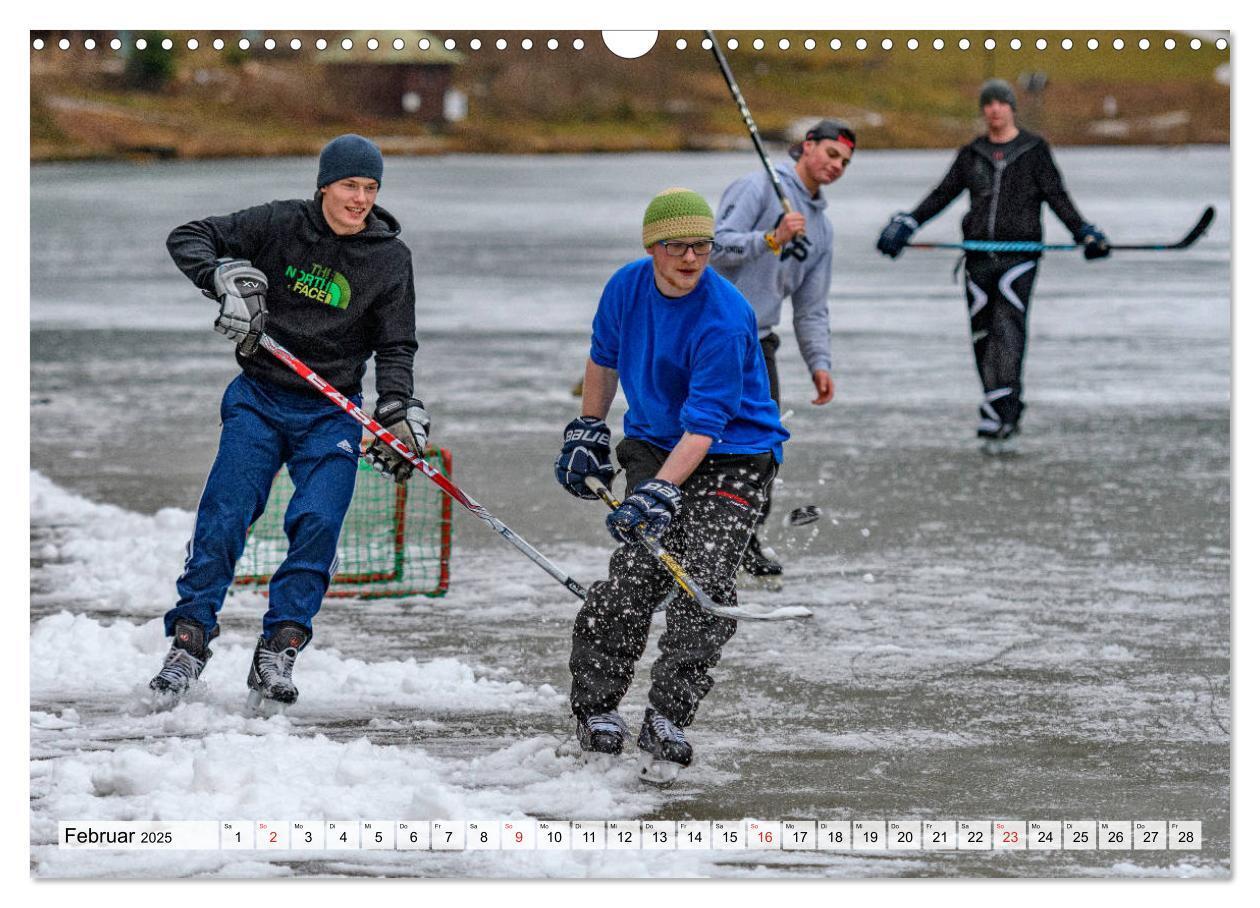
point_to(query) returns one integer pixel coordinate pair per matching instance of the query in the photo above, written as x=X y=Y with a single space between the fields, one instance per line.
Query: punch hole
x=1195 y=43
x=270 y=44
x=810 y=43
x=243 y=44
x=167 y=44
x=552 y=44
x=1118 y=44
x=115 y=44
x=758 y=44
x=629 y=44
x=681 y=44
x=527 y=44
x=475 y=44
x=218 y=44
x=295 y=44
x=192 y=44
x=1092 y=44
x=990 y=44
x=835 y=43
x=423 y=44
x=449 y=43
x=1042 y=44
x=886 y=44
x=913 y=44
x=861 y=44
x=399 y=44
x=90 y=44
x=1144 y=44
x=938 y=44
x=964 y=43
x=1221 y=44
x=1066 y=44
x=1016 y=44
x=784 y=44
x=373 y=44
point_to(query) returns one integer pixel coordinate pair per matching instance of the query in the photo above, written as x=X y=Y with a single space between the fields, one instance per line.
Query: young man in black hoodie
x=329 y=279
x=1009 y=172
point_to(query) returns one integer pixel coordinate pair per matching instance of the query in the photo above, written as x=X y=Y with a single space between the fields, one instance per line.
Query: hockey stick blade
x=446 y=485
x=683 y=579
x=1200 y=228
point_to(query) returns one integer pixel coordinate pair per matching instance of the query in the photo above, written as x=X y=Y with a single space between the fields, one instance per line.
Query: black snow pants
x=999 y=295
x=769 y=349
x=721 y=501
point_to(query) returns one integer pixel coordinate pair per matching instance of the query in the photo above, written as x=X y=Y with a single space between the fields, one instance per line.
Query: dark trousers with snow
x=999 y=295
x=265 y=427
x=721 y=501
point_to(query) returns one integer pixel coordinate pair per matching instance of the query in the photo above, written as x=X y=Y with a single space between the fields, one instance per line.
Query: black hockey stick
x=1205 y=220
x=683 y=579
x=790 y=250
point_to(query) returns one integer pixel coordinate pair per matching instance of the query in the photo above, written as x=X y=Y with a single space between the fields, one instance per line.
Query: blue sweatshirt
x=687 y=364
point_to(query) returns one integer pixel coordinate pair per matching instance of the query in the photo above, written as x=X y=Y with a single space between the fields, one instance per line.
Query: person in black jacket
x=1008 y=172
x=328 y=278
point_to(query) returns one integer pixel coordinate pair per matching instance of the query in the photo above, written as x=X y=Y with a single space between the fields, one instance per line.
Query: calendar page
x=799 y=453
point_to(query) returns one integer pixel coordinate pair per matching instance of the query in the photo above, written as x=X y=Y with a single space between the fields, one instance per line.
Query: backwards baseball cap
x=676 y=213
x=997 y=90
x=839 y=130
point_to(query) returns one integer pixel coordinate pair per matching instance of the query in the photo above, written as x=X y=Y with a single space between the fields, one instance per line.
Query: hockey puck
x=804 y=516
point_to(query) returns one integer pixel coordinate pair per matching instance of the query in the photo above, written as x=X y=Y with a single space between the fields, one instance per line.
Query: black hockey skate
x=761 y=565
x=665 y=752
x=185 y=660
x=1001 y=440
x=271 y=688
x=603 y=733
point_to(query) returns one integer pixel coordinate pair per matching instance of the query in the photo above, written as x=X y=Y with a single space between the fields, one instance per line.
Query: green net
x=396 y=539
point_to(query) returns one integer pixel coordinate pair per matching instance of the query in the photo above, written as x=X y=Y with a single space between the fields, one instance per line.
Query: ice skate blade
x=661 y=773
x=258 y=705
x=161 y=701
x=802 y=517
x=770 y=582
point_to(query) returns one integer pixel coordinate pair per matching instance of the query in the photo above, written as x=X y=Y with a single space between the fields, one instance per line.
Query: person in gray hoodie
x=770 y=256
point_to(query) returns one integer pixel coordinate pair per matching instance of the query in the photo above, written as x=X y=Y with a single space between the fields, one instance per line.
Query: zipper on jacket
x=998 y=168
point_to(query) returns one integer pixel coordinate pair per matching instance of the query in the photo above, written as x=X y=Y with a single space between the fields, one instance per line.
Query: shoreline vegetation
x=101 y=104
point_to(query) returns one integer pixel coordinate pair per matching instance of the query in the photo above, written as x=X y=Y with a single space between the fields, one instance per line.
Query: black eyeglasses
x=676 y=248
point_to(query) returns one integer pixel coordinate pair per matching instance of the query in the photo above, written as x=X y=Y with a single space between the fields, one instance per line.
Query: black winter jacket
x=1007 y=184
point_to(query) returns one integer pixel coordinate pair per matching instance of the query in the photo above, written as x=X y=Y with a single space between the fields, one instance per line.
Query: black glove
x=408 y=421
x=241 y=290
x=896 y=234
x=1094 y=241
x=653 y=504
x=586 y=452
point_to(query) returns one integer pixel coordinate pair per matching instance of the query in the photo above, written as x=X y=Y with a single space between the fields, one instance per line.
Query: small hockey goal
x=395 y=542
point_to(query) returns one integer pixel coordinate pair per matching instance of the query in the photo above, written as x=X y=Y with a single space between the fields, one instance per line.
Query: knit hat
x=676 y=213
x=997 y=90
x=349 y=156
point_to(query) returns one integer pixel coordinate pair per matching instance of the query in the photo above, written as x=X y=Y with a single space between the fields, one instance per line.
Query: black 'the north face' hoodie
x=332 y=300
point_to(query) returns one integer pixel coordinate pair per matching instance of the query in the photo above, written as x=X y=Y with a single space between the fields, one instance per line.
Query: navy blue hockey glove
x=1095 y=242
x=586 y=452
x=896 y=234
x=241 y=290
x=653 y=504
x=408 y=421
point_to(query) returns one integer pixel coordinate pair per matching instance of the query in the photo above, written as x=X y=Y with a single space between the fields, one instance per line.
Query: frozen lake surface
x=1044 y=636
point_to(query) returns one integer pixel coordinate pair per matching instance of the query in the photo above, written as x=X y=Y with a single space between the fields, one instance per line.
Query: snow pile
x=102 y=555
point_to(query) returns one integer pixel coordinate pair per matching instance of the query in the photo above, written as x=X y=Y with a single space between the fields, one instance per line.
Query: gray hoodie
x=748 y=210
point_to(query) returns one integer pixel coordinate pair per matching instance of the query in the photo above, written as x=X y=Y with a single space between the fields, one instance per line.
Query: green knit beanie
x=676 y=213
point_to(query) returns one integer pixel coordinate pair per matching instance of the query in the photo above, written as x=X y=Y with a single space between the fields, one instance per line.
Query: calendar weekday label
x=1007 y=836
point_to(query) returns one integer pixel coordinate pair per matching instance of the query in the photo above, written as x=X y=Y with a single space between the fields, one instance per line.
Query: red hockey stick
x=344 y=403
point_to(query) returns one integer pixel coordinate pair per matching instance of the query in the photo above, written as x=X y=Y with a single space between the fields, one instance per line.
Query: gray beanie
x=997 y=90
x=349 y=156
